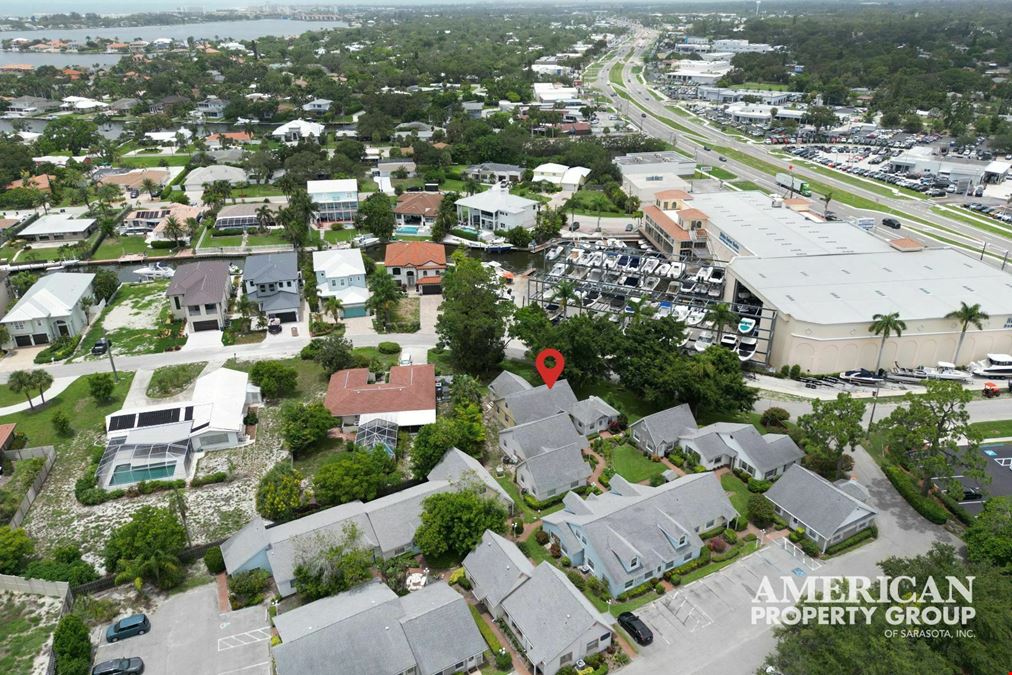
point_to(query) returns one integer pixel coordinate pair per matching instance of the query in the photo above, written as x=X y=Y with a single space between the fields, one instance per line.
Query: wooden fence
x=33 y=491
x=54 y=589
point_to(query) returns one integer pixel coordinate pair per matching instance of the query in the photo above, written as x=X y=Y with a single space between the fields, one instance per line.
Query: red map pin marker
x=550 y=373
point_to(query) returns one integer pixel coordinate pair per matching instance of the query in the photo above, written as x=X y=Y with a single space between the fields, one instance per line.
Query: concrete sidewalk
x=59 y=385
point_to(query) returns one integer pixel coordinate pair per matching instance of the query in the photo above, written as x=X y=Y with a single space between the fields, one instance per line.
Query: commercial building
x=922 y=160
x=337 y=200
x=644 y=174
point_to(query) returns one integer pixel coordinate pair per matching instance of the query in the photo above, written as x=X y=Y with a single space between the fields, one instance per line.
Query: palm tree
x=826 y=198
x=149 y=186
x=20 y=382
x=41 y=380
x=564 y=293
x=265 y=217
x=886 y=325
x=385 y=294
x=155 y=565
x=722 y=317
x=174 y=229
x=470 y=186
x=246 y=308
x=642 y=310
x=967 y=315
x=334 y=307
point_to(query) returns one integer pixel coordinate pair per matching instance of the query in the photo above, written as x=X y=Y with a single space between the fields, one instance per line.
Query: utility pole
x=115 y=375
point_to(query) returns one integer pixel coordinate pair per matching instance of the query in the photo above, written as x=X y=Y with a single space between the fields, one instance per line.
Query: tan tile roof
x=419 y=203
x=907 y=244
x=42 y=182
x=673 y=194
x=692 y=214
x=664 y=221
x=415 y=254
x=409 y=388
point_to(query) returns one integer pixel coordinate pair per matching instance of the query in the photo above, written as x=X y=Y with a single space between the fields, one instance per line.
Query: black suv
x=100 y=347
x=636 y=628
x=891 y=222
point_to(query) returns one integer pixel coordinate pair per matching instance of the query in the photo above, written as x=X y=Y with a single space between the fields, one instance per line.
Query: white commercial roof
x=54 y=295
x=846 y=289
x=57 y=223
x=998 y=167
x=340 y=185
x=338 y=262
x=750 y=220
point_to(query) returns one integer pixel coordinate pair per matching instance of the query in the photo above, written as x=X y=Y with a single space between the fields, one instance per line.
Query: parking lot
x=188 y=635
x=691 y=625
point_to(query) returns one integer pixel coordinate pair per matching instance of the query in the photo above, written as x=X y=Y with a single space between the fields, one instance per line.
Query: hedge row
x=552 y=501
x=853 y=540
x=216 y=477
x=962 y=515
x=486 y=631
x=710 y=534
x=637 y=591
x=60 y=349
x=906 y=487
x=696 y=563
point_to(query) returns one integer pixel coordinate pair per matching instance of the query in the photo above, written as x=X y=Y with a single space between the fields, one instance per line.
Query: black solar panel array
x=120 y=422
x=156 y=417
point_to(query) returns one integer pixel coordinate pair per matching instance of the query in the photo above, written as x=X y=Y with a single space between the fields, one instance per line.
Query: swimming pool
x=407 y=229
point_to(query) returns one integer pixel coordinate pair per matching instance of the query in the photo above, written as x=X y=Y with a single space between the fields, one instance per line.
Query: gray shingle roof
x=533 y=438
x=558 y=468
x=644 y=521
x=766 y=452
x=507 y=383
x=457 y=466
x=200 y=282
x=496 y=566
x=816 y=502
x=666 y=425
x=540 y=402
x=370 y=631
x=238 y=549
x=551 y=613
x=592 y=409
x=268 y=268
x=277 y=302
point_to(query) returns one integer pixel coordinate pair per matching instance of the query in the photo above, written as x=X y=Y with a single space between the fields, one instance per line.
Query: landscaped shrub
x=853 y=540
x=247 y=588
x=64 y=564
x=147 y=487
x=774 y=418
x=795 y=372
x=657 y=480
x=797 y=535
x=576 y=578
x=503 y=660
x=251 y=419
x=388 y=348
x=214 y=560
x=758 y=486
x=87 y=492
x=674 y=579
x=72 y=646
x=541 y=537
x=703 y=559
x=779 y=522
x=699 y=468
x=636 y=591
x=742 y=475
x=713 y=532
x=60 y=349
x=526 y=548
x=740 y=524
x=955 y=509
x=659 y=588
x=726 y=555
x=760 y=510
x=810 y=548
x=678 y=460
x=730 y=536
x=716 y=544
x=565 y=561
x=555 y=550
x=906 y=487
x=310 y=351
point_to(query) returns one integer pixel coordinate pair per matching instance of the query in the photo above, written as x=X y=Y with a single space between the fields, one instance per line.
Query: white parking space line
x=242 y=639
x=263 y=666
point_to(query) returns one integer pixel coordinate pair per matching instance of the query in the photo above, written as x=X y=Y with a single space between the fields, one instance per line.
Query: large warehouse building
x=820 y=284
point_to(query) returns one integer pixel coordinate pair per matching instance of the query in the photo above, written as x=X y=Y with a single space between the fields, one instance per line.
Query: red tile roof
x=419 y=204
x=42 y=182
x=663 y=221
x=6 y=433
x=430 y=281
x=673 y=194
x=409 y=388
x=415 y=254
x=692 y=214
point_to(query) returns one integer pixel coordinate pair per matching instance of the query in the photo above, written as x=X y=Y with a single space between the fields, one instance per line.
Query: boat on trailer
x=998 y=366
x=863 y=377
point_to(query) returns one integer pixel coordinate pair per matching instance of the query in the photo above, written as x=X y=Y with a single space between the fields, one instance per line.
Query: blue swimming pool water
x=407 y=229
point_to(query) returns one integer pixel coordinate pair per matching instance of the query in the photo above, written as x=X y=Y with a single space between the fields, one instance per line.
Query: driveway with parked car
x=188 y=635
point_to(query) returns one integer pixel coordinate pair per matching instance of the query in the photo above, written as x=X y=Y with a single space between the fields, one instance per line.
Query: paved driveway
x=202 y=340
x=189 y=636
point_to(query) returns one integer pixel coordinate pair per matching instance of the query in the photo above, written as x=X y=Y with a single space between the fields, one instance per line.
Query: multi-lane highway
x=654 y=116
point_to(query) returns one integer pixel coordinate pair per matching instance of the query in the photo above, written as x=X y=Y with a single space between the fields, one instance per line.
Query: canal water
x=223 y=30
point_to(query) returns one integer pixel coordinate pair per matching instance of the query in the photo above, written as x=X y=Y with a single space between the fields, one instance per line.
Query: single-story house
x=59 y=227
x=635 y=533
x=417 y=208
x=741 y=446
x=199 y=293
x=829 y=512
x=293 y=131
x=386 y=526
x=568 y=178
x=420 y=130
x=408 y=398
x=318 y=106
x=417 y=265
x=549 y=455
x=134 y=180
x=52 y=308
x=389 y=167
x=340 y=273
x=377 y=433
x=218 y=140
x=42 y=182
x=200 y=178
x=593 y=415
x=272 y=282
x=658 y=434
x=153 y=221
x=495 y=172
x=244 y=216
x=375 y=631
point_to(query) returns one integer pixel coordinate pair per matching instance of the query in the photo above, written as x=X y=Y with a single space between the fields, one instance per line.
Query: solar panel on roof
x=120 y=422
x=156 y=417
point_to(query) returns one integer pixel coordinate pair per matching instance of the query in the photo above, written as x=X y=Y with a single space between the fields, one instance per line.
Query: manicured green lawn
x=8 y=397
x=117 y=247
x=746 y=185
x=270 y=239
x=255 y=190
x=722 y=174
x=148 y=161
x=310 y=380
x=76 y=403
x=997 y=429
x=310 y=461
x=530 y=515
x=737 y=492
x=633 y=465
x=337 y=236
x=227 y=240
x=171 y=380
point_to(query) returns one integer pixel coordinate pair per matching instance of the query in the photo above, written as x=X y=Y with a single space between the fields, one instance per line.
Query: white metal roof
x=54 y=295
x=339 y=185
x=497 y=199
x=340 y=262
x=845 y=289
x=57 y=223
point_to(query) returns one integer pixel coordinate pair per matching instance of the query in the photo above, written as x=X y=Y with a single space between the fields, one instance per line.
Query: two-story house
x=272 y=281
x=417 y=265
x=340 y=273
x=198 y=294
x=417 y=208
x=54 y=307
x=212 y=108
x=318 y=106
x=635 y=533
x=336 y=200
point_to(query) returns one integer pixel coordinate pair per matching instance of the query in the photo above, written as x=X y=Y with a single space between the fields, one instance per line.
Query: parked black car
x=136 y=624
x=636 y=628
x=891 y=222
x=100 y=347
x=131 y=666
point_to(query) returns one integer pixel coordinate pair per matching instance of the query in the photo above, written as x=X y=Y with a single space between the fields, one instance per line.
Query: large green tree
x=148 y=547
x=453 y=522
x=377 y=216
x=68 y=133
x=473 y=317
x=446 y=216
x=832 y=428
x=384 y=295
x=274 y=378
x=16 y=548
x=711 y=383
x=646 y=350
x=464 y=429
x=332 y=565
x=304 y=424
x=335 y=353
x=989 y=537
x=355 y=474
x=279 y=493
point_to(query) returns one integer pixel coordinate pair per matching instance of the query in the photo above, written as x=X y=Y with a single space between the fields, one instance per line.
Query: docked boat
x=947 y=371
x=663 y=309
x=595 y=275
x=676 y=270
x=634 y=263
x=716 y=275
x=682 y=313
x=993 y=365
x=575 y=254
x=596 y=259
x=907 y=375
x=746 y=325
x=363 y=241
x=622 y=261
x=862 y=376
x=746 y=348
x=497 y=247
x=156 y=270
x=715 y=292
x=704 y=341
x=729 y=340
x=579 y=273
x=553 y=253
x=650 y=264
x=696 y=314
x=651 y=283
x=558 y=270
x=610 y=260
x=703 y=275
x=663 y=269
x=689 y=287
